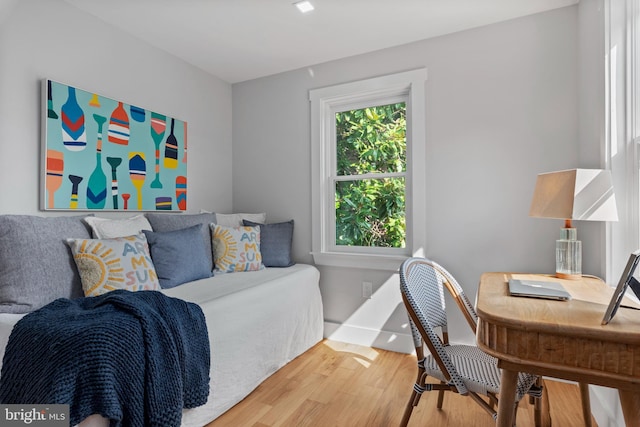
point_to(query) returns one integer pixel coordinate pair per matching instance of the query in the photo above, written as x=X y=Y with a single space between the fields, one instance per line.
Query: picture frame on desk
x=626 y=280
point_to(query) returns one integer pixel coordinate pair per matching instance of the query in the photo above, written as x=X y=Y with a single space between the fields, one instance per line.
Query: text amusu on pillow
x=236 y=248
x=120 y=263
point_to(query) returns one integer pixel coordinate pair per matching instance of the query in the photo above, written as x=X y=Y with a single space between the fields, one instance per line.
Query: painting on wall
x=103 y=154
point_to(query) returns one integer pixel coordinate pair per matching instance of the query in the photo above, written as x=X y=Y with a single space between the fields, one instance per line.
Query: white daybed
x=257 y=322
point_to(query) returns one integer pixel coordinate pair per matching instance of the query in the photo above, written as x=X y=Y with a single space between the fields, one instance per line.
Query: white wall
x=591 y=115
x=50 y=39
x=502 y=106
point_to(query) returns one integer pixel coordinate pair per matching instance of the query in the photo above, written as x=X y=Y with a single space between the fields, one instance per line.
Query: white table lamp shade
x=580 y=194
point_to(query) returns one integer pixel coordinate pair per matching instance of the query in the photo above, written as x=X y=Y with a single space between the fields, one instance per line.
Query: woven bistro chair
x=463 y=369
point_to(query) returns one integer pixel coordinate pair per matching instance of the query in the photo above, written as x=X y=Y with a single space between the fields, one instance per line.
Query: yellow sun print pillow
x=236 y=248
x=109 y=264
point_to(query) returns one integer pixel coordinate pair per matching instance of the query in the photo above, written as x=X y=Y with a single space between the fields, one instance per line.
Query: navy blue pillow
x=174 y=221
x=275 y=243
x=179 y=256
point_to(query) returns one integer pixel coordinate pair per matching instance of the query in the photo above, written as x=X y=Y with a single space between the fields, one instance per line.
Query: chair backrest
x=458 y=295
x=422 y=284
x=455 y=290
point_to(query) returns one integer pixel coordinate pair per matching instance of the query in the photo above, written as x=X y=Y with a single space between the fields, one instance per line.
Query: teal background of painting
x=82 y=163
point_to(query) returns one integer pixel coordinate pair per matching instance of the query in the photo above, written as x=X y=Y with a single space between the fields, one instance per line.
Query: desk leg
x=630 y=403
x=586 y=404
x=506 y=403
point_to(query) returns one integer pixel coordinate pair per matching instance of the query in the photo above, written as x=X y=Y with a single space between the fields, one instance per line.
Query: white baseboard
x=392 y=341
x=605 y=406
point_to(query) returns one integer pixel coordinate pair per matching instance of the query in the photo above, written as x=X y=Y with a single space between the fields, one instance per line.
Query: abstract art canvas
x=103 y=154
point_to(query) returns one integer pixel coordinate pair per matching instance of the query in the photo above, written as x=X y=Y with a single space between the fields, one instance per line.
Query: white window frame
x=622 y=130
x=405 y=87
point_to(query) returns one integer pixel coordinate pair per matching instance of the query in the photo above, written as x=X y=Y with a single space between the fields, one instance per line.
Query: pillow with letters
x=236 y=248
x=108 y=264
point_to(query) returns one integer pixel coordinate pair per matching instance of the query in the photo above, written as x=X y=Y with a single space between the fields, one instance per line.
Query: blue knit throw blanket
x=137 y=358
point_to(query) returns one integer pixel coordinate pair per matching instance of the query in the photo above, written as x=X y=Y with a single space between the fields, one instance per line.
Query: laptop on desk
x=538 y=289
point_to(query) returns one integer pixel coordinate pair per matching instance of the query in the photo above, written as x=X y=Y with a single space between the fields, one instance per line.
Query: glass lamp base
x=568 y=255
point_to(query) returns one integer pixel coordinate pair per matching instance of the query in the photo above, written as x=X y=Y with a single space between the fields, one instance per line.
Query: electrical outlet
x=367 y=290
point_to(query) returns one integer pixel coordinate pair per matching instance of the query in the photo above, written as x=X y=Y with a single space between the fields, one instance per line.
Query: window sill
x=363 y=261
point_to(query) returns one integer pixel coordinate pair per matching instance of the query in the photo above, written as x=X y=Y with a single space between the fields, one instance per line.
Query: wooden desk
x=562 y=339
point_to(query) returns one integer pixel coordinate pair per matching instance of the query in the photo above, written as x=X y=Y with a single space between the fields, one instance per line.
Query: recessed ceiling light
x=304 y=6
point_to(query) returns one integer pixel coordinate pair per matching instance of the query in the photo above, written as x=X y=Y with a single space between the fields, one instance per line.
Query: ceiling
x=238 y=40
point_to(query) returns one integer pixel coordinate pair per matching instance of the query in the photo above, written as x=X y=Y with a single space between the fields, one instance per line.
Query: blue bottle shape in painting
x=97 y=185
x=74 y=135
x=137 y=113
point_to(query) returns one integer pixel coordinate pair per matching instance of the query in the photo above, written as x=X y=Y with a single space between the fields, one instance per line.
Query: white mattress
x=257 y=322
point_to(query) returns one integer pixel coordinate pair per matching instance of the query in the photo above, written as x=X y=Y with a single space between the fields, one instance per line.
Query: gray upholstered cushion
x=173 y=222
x=179 y=256
x=275 y=243
x=36 y=264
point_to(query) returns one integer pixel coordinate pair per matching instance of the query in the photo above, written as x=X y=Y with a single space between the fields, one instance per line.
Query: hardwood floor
x=344 y=385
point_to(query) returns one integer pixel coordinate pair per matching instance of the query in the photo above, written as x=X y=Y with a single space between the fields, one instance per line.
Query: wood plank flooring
x=345 y=385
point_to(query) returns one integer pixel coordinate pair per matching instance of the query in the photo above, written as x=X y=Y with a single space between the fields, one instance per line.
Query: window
x=368 y=154
x=369 y=179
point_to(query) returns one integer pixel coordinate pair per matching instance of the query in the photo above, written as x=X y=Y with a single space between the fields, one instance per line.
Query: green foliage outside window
x=371 y=211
